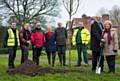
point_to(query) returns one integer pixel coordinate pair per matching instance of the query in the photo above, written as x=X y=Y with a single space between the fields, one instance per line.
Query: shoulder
x=114 y=30
x=33 y=30
x=9 y=29
x=85 y=29
x=21 y=31
x=76 y=30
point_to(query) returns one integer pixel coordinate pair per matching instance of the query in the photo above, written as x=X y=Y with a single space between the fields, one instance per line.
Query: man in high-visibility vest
x=81 y=38
x=12 y=42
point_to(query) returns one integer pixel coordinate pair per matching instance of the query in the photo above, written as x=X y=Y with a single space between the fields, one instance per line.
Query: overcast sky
x=89 y=7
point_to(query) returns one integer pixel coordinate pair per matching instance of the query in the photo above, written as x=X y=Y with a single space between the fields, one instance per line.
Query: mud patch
x=31 y=69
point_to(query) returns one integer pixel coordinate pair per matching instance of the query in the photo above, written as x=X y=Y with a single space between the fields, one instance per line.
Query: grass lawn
x=84 y=74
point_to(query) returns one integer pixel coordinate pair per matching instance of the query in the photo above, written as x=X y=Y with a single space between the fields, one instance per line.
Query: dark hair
x=84 y=15
x=105 y=15
x=13 y=21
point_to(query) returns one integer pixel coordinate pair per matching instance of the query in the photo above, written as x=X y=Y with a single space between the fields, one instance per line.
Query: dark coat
x=61 y=36
x=24 y=37
x=96 y=35
x=50 y=43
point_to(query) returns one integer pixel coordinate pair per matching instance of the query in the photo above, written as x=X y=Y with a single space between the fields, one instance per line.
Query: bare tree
x=71 y=7
x=28 y=9
x=115 y=14
x=115 y=17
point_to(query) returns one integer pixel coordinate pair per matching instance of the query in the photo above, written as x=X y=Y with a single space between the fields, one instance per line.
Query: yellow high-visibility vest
x=11 y=38
x=85 y=36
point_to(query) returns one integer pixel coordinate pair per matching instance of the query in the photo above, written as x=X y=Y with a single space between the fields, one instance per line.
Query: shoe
x=86 y=64
x=65 y=65
x=77 y=65
x=11 y=67
x=111 y=72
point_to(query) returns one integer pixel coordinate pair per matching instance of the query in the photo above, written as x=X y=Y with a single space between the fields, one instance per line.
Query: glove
x=115 y=51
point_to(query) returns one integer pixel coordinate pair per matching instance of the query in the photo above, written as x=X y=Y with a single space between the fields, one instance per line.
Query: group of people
x=104 y=43
x=52 y=41
x=102 y=37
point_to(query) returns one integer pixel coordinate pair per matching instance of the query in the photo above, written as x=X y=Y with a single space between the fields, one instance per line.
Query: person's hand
x=102 y=40
x=28 y=42
x=102 y=43
x=115 y=51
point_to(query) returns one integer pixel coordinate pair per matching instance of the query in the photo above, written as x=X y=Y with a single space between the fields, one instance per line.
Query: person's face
x=98 y=18
x=59 y=24
x=26 y=26
x=38 y=25
x=81 y=24
x=49 y=29
x=107 y=26
x=14 y=25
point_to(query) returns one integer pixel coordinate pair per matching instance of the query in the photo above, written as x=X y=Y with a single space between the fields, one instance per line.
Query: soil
x=31 y=69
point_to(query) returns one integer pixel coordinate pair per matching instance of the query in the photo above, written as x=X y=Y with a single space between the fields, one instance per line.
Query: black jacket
x=96 y=35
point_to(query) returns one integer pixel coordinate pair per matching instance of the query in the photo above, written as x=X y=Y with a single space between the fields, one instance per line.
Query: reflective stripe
x=11 y=39
x=85 y=36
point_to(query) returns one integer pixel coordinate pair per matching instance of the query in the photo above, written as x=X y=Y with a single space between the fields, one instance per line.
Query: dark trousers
x=25 y=52
x=12 y=55
x=33 y=54
x=82 y=48
x=61 y=54
x=111 y=63
x=51 y=55
x=37 y=55
x=95 y=59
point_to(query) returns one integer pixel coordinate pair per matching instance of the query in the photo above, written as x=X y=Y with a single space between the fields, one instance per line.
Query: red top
x=38 y=38
x=50 y=34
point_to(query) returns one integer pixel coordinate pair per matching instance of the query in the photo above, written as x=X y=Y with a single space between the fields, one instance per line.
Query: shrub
x=4 y=50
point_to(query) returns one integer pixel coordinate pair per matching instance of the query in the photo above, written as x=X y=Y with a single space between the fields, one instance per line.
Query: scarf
x=109 y=38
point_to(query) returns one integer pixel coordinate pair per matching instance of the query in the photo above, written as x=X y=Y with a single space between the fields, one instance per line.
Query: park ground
x=84 y=72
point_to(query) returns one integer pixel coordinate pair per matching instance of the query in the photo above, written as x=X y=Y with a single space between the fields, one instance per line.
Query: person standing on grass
x=81 y=38
x=12 y=41
x=110 y=39
x=50 y=46
x=38 y=40
x=61 y=36
x=33 y=45
x=25 y=41
x=96 y=34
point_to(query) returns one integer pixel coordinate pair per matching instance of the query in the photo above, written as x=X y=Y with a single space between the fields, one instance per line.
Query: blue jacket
x=50 y=44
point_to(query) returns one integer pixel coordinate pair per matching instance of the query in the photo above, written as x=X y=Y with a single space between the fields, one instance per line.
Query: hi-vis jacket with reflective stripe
x=85 y=36
x=11 y=38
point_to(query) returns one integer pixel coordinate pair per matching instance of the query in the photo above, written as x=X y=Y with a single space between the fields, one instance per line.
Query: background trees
x=27 y=10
